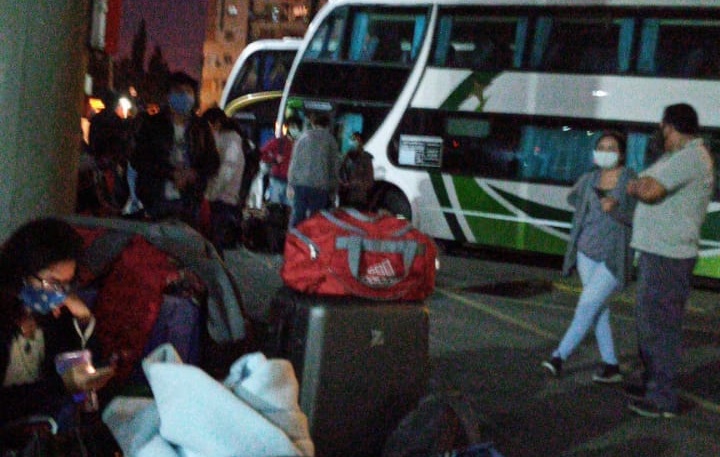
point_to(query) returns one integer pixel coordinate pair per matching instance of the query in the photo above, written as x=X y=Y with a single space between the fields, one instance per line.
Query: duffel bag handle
x=356 y=245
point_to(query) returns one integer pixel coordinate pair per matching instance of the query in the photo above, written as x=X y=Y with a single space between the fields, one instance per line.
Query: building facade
x=232 y=24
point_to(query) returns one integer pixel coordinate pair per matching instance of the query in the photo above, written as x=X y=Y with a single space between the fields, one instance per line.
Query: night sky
x=178 y=26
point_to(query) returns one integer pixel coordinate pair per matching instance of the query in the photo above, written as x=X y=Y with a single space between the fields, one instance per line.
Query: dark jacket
x=48 y=394
x=356 y=179
x=620 y=261
x=153 y=145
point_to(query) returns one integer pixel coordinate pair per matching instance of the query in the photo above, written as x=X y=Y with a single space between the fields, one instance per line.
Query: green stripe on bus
x=440 y=191
x=473 y=198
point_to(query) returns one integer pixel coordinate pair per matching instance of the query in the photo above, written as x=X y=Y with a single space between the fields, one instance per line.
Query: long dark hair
x=34 y=246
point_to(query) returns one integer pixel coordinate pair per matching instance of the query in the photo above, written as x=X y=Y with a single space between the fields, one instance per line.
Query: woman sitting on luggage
x=40 y=318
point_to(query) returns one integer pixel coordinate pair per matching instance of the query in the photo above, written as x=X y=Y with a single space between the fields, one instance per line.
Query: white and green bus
x=480 y=114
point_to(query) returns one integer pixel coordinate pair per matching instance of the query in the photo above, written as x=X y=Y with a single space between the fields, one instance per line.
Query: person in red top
x=277 y=153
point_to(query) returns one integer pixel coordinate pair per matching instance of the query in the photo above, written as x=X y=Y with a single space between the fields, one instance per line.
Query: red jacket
x=277 y=153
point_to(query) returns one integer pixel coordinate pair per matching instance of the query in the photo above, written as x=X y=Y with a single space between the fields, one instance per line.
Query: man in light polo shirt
x=673 y=197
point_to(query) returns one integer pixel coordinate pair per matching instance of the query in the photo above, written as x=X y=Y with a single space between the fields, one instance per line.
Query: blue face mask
x=180 y=102
x=40 y=300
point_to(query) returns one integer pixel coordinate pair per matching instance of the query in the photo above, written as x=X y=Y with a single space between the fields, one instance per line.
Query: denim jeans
x=278 y=191
x=306 y=201
x=663 y=288
x=592 y=310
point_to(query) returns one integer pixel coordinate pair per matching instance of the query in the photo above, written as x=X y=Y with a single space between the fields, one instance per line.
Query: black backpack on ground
x=442 y=424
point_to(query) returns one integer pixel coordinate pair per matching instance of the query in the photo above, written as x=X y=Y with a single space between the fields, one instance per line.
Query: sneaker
x=553 y=366
x=610 y=374
x=646 y=408
x=635 y=391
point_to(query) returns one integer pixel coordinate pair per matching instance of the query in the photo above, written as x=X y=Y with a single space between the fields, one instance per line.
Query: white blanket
x=253 y=413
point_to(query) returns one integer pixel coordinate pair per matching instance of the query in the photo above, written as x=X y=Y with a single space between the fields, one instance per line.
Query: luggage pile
x=352 y=320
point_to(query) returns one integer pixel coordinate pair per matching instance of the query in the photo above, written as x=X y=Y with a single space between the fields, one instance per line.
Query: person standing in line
x=673 y=195
x=314 y=167
x=223 y=190
x=599 y=248
x=174 y=155
x=356 y=175
x=278 y=153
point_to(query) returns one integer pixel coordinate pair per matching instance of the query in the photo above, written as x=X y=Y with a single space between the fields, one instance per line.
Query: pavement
x=494 y=318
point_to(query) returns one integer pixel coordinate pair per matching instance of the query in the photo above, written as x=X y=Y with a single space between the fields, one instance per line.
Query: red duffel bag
x=346 y=252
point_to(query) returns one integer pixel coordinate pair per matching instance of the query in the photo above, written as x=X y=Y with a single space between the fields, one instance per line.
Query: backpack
x=347 y=252
x=442 y=424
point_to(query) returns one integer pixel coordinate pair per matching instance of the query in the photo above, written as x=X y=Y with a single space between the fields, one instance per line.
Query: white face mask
x=605 y=159
x=294 y=132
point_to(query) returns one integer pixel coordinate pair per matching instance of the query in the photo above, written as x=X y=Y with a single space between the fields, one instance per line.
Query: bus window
x=387 y=37
x=557 y=154
x=570 y=45
x=488 y=147
x=680 y=48
x=248 y=81
x=483 y=43
x=325 y=44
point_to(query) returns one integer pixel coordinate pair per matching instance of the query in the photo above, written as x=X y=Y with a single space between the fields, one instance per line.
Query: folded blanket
x=255 y=413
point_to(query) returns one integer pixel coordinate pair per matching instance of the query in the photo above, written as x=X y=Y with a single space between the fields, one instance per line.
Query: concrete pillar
x=43 y=60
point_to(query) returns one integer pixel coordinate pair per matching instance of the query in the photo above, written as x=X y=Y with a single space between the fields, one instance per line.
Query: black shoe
x=610 y=374
x=635 y=391
x=553 y=366
x=646 y=408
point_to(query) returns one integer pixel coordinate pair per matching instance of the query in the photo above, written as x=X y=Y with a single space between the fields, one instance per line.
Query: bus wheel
x=394 y=201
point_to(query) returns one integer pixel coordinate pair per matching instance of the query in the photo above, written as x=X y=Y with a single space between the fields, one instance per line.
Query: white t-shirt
x=26 y=358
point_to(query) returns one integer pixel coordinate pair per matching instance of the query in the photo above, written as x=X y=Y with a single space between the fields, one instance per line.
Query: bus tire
x=395 y=202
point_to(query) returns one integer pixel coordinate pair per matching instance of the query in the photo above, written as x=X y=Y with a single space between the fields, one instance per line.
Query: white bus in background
x=254 y=87
x=480 y=114
x=251 y=96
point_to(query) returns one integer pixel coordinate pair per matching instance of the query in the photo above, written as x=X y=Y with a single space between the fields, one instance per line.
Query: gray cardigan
x=620 y=260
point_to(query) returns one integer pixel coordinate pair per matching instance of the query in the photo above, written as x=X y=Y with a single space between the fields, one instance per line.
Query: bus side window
x=582 y=46
x=637 y=145
x=686 y=49
x=325 y=44
x=492 y=42
x=558 y=154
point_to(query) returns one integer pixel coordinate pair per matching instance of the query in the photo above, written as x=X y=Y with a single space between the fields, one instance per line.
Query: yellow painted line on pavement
x=701 y=402
x=621 y=298
x=498 y=315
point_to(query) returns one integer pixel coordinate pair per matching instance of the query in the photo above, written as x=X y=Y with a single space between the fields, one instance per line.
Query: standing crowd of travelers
x=172 y=163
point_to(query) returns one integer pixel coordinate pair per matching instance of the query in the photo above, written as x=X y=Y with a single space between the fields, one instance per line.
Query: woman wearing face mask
x=599 y=248
x=41 y=318
x=174 y=155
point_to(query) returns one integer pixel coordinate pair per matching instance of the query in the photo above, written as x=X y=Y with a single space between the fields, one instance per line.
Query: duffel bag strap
x=360 y=216
x=356 y=245
x=342 y=224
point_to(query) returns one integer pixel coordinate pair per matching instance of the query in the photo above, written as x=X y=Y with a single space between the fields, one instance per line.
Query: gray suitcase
x=362 y=366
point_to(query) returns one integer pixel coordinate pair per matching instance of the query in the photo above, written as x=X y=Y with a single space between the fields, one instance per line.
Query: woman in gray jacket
x=599 y=248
